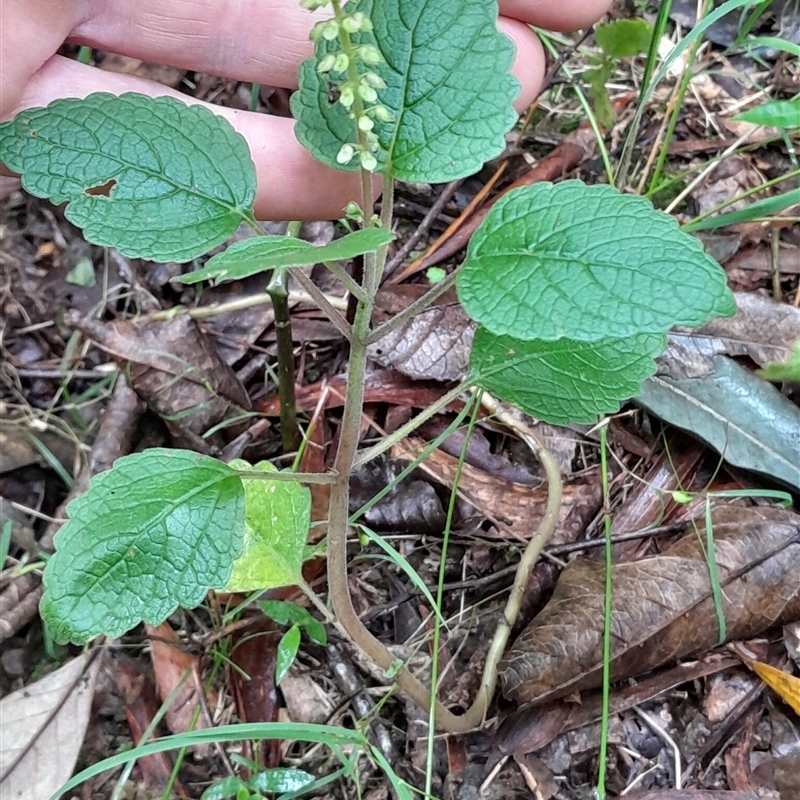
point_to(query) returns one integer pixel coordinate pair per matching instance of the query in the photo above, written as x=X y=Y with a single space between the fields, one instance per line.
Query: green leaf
x=316 y=631
x=154 y=178
x=156 y=531
x=284 y=612
x=287 y=650
x=448 y=87
x=82 y=274
x=778 y=113
x=227 y=787
x=624 y=37
x=281 y=779
x=564 y=381
x=586 y=263
x=601 y=102
x=261 y=253
x=277 y=514
x=788 y=370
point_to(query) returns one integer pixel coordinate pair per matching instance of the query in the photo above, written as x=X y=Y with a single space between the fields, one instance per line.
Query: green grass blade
x=664 y=9
x=395 y=558
x=773 y=41
x=713 y=574
x=322 y=734
x=762 y=208
x=601 y=776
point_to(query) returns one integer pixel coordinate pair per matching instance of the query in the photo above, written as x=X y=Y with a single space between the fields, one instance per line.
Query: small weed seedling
x=573 y=286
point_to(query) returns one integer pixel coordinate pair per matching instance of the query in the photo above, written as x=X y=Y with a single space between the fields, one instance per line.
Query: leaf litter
x=494 y=506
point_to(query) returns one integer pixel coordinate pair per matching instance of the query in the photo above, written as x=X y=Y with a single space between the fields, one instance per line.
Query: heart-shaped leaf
x=448 y=88
x=156 y=531
x=564 y=381
x=586 y=263
x=153 y=177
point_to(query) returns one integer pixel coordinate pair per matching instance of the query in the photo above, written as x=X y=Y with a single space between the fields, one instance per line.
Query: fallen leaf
x=170 y=665
x=741 y=416
x=412 y=505
x=175 y=370
x=434 y=344
x=43 y=729
x=662 y=607
x=786 y=686
x=252 y=679
x=761 y=329
x=515 y=507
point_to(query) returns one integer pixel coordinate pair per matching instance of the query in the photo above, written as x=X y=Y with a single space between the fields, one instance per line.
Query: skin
x=234 y=39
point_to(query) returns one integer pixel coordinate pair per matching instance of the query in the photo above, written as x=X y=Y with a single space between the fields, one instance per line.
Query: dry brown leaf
x=432 y=345
x=170 y=665
x=662 y=606
x=175 y=370
x=529 y=729
x=761 y=329
x=516 y=507
x=411 y=505
x=43 y=729
x=252 y=679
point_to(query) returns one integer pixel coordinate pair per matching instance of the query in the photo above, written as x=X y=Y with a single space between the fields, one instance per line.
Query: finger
x=556 y=15
x=529 y=63
x=291 y=184
x=262 y=40
x=39 y=29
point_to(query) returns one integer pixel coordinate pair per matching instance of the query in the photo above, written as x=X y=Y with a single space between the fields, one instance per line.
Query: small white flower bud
x=331 y=30
x=351 y=24
x=347 y=97
x=382 y=114
x=341 y=62
x=373 y=145
x=365 y=123
x=374 y=80
x=368 y=161
x=367 y=93
x=326 y=63
x=353 y=211
x=345 y=154
x=369 y=54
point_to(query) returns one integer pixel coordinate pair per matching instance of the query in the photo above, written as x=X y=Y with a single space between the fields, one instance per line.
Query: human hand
x=262 y=41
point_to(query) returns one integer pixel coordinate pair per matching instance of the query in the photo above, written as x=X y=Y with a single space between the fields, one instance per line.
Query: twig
x=441 y=201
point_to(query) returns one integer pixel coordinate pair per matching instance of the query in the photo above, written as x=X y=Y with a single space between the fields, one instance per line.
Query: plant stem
x=351 y=285
x=404 y=430
x=325 y=305
x=278 y=290
x=241 y=303
x=412 y=310
x=345 y=461
x=601 y=776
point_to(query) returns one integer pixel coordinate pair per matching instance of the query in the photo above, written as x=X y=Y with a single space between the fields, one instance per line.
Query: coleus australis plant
x=573 y=286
